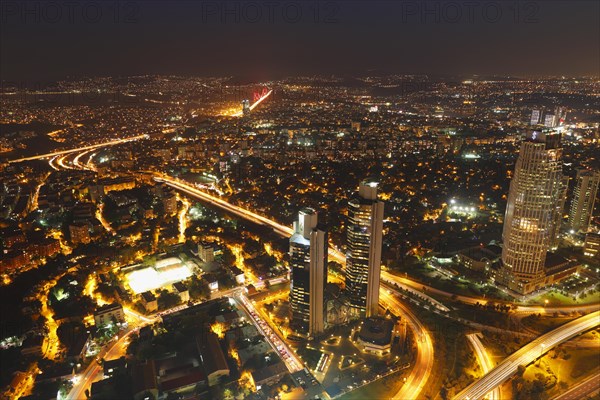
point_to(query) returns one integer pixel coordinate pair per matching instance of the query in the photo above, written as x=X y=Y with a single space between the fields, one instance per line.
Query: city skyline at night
x=299 y=200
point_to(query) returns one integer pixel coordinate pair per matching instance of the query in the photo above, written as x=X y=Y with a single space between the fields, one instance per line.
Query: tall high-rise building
x=561 y=115
x=363 y=259
x=245 y=107
x=536 y=116
x=533 y=212
x=584 y=196
x=308 y=259
x=550 y=120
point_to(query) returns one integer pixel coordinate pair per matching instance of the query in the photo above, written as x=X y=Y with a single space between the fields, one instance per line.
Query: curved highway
x=403 y=281
x=419 y=375
x=69 y=151
x=424 y=364
x=526 y=355
x=484 y=361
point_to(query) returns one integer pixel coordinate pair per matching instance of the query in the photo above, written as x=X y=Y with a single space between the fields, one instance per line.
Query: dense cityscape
x=310 y=236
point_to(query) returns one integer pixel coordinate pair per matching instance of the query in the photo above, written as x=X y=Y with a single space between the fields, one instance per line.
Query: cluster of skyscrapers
x=309 y=250
x=534 y=217
x=534 y=211
x=549 y=119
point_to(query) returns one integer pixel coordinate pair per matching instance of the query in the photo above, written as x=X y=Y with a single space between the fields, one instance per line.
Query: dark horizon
x=262 y=41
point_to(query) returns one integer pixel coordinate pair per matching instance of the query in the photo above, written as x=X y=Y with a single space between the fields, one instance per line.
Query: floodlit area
x=163 y=273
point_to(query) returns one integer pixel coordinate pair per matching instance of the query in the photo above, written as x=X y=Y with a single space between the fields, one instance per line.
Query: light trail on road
x=418 y=378
x=484 y=361
x=401 y=280
x=75 y=150
x=280 y=229
x=95 y=369
x=51 y=162
x=385 y=277
x=241 y=212
x=526 y=355
x=76 y=162
x=588 y=388
x=255 y=104
x=289 y=358
x=419 y=375
x=61 y=162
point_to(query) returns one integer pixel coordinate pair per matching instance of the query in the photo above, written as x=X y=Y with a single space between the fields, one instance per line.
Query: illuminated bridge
x=257 y=100
x=526 y=355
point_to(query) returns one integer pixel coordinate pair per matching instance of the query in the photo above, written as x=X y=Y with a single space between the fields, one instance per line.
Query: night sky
x=271 y=39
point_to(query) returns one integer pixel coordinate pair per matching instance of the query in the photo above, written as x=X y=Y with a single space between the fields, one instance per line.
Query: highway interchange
x=526 y=355
x=485 y=387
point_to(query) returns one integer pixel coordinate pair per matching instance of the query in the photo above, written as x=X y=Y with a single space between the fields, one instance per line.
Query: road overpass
x=526 y=355
x=255 y=104
x=334 y=254
x=77 y=149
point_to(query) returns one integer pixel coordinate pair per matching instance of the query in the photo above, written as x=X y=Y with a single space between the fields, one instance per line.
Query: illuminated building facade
x=592 y=245
x=363 y=260
x=308 y=255
x=80 y=233
x=533 y=212
x=584 y=196
x=536 y=115
x=245 y=107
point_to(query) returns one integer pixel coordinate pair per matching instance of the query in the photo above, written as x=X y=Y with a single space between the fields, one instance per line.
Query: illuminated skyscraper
x=550 y=120
x=363 y=260
x=561 y=115
x=246 y=107
x=308 y=254
x=584 y=196
x=536 y=116
x=533 y=212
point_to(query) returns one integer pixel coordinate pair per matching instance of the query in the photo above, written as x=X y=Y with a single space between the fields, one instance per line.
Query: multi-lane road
x=419 y=375
x=417 y=379
x=278 y=228
x=424 y=364
x=255 y=104
x=484 y=361
x=404 y=281
x=526 y=355
x=289 y=358
x=586 y=389
x=111 y=351
x=95 y=370
x=78 y=149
